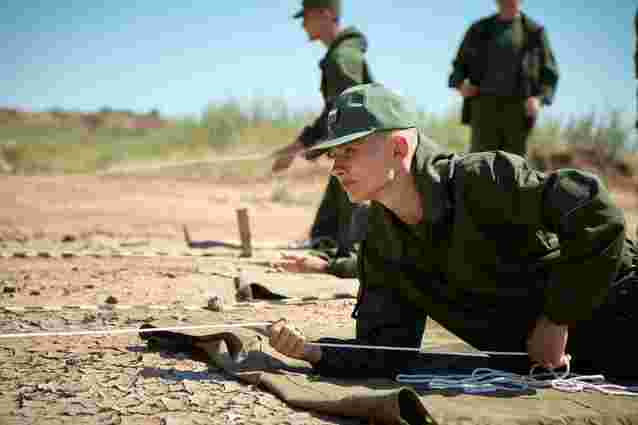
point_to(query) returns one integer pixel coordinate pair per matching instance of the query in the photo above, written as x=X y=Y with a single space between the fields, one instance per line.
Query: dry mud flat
x=116 y=380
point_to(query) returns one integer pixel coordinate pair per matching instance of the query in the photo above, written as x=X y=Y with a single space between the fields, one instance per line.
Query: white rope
x=129 y=331
x=481 y=380
x=485 y=380
x=242 y=325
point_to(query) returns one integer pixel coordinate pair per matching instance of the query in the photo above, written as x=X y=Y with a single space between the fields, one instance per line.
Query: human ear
x=401 y=147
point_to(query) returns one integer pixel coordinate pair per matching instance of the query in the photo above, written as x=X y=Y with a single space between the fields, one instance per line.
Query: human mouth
x=347 y=183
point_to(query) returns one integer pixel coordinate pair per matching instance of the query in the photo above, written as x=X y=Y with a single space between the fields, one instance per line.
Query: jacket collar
x=432 y=170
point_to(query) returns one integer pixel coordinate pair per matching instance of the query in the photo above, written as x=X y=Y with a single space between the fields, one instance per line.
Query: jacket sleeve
x=344 y=267
x=466 y=53
x=549 y=73
x=499 y=188
x=341 y=70
x=383 y=319
x=311 y=134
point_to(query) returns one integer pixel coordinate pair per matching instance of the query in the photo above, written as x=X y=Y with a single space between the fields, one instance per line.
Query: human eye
x=349 y=152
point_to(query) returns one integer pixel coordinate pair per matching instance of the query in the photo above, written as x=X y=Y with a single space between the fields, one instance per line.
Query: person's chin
x=356 y=197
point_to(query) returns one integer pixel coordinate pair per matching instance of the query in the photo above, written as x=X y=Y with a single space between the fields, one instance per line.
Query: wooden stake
x=244 y=232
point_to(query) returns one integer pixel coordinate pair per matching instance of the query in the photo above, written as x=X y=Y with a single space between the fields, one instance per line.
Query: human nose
x=338 y=168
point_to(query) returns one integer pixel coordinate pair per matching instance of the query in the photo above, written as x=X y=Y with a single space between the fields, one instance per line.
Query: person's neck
x=330 y=35
x=402 y=198
x=509 y=14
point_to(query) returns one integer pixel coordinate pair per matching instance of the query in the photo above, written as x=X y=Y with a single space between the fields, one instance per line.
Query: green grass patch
x=234 y=128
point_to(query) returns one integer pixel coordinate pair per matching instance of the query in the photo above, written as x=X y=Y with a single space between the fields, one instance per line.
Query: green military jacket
x=342 y=67
x=500 y=244
x=539 y=73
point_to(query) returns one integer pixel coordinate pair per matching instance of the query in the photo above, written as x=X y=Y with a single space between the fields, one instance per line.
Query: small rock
x=9 y=289
x=68 y=238
x=215 y=302
x=73 y=361
x=109 y=419
x=89 y=317
x=66 y=292
x=34 y=293
x=172 y=421
x=89 y=286
x=169 y=275
x=75 y=269
x=244 y=289
x=111 y=300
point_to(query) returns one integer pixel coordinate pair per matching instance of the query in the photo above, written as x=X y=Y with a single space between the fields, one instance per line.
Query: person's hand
x=282 y=163
x=546 y=344
x=468 y=90
x=289 y=341
x=285 y=156
x=533 y=106
x=301 y=264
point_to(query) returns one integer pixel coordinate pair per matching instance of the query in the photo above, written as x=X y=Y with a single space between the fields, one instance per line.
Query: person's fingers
x=562 y=361
x=549 y=360
x=291 y=267
x=295 y=342
x=288 y=341
x=535 y=355
x=298 y=348
x=290 y=257
x=275 y=331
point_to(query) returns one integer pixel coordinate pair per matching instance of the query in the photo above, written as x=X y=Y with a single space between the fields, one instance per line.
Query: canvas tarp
x=246 y=355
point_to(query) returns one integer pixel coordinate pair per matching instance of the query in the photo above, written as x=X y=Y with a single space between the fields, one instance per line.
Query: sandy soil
x=39 y=383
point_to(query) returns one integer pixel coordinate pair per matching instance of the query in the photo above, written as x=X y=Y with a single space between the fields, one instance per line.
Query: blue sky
x=143 y=54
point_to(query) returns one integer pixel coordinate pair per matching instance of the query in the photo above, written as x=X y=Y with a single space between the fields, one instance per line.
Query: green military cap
x=319 y=4
x=365 y=109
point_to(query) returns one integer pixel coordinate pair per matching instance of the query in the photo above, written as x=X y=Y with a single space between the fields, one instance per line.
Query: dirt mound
x=104 y=118
x=619 y=170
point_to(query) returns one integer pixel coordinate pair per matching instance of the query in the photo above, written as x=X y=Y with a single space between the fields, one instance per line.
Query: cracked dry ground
x=115 y=380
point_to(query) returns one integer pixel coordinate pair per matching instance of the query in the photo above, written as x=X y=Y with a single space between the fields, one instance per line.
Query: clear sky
x=143 y=54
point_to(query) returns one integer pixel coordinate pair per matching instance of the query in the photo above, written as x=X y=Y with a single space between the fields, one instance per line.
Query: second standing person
x=505 y=70
x=343 y=66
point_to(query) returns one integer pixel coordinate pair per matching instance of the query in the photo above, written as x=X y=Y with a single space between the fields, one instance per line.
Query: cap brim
x=298 y=14
x=323 y=146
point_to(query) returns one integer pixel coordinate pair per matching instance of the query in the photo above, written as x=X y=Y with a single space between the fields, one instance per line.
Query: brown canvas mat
x=247 y=356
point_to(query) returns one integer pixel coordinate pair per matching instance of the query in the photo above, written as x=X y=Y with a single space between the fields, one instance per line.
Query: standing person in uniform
x=505 y=70
x=504 y=256
x=343 y=66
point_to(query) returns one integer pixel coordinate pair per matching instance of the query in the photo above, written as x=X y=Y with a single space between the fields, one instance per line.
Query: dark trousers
x=500 y=123
x=604 y=343
x=339 y=219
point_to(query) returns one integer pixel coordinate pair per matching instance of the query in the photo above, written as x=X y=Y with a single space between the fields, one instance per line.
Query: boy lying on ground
x=504 y=256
